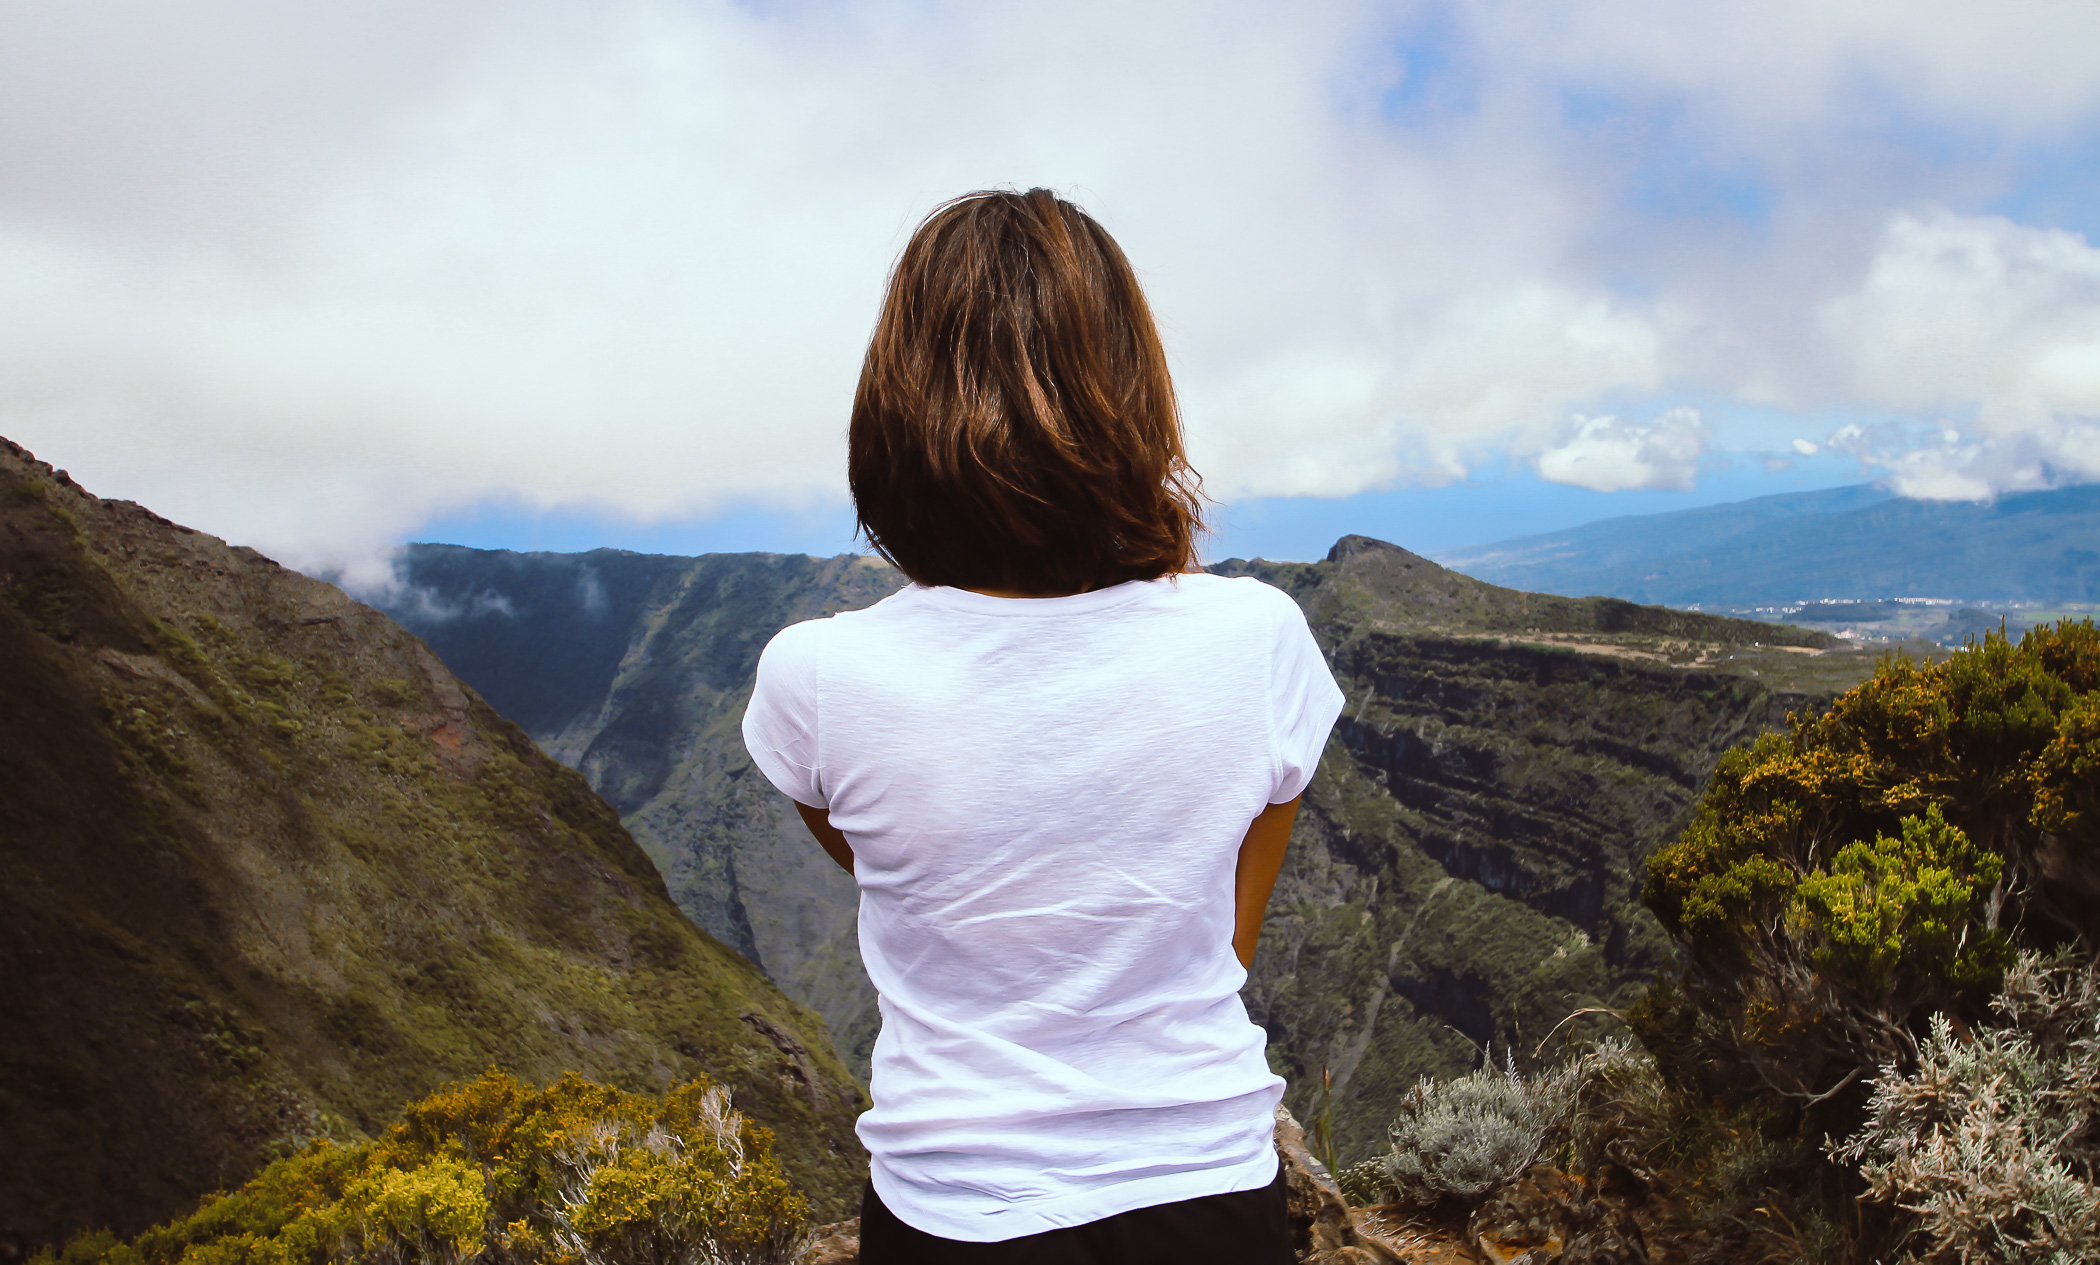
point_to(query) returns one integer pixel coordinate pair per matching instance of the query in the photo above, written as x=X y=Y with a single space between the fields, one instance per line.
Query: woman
x=1062 y=766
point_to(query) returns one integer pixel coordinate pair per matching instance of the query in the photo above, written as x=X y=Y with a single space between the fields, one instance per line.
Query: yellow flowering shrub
x=1842 y=881
x=498 y=1171
x=2067 y=778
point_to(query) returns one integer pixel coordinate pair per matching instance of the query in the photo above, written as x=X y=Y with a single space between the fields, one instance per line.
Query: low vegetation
x=1992 y=1142
x=1456 y=1141
x=1876 y=865
x=1882 y=1041
x=499 y=1171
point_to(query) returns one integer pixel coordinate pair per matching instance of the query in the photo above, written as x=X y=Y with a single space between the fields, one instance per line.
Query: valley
x=1465 y=871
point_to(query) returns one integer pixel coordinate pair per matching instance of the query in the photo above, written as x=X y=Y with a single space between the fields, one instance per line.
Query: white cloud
x=1988 y=320
x=1610 y=454
x=1416 y=406
x=309 y=275
x=630 y=264
x=1812 y=63
x=1948 y=466
x=1806 y=447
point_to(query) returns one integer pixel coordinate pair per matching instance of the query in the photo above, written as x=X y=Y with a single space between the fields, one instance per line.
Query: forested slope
x=667 y=648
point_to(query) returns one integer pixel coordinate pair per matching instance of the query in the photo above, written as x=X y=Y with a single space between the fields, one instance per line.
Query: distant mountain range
x=1845 y=544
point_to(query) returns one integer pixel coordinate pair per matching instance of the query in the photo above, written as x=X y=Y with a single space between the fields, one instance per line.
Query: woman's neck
x=1018 y=593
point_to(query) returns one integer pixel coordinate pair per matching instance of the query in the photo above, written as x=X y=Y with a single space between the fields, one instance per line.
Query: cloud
x=381 y=580
x=629 y=265
x=1335 y=417
x=1609 y=454
x=1951 y=466
x=1810 y=64
x=309 y=276
x=1978 y=318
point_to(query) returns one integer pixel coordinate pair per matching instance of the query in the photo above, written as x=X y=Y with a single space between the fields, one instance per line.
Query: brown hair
x=1015 y=425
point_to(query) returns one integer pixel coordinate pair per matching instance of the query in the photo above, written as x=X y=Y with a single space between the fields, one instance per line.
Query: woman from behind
x=1062 y=766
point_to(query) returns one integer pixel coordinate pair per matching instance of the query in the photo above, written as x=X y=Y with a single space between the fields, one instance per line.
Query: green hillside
x=664 y=650
x=268 y=871
x=1466 y=869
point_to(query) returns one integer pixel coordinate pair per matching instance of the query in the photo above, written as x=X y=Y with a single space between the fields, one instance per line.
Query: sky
x=326 y=278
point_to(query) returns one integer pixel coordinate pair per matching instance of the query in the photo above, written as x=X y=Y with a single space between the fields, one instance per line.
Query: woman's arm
x=1261 y=859
x=828 y=836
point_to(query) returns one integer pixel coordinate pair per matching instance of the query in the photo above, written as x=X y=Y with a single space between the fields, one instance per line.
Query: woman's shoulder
x=807 y=638
x=1251 y=597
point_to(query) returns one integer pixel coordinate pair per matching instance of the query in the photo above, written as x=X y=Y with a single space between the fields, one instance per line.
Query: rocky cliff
x=268 y=870
x=1465 y=873
x=635 y=669
x=1465 y=870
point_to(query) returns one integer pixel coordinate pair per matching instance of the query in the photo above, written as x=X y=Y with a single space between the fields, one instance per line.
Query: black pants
x=1244 y=1228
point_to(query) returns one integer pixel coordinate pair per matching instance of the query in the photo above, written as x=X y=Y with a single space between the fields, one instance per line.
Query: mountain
x=1465 y=867
x=1846 y=544
x=268 y=871
x=1465 y=874
x=635 y=669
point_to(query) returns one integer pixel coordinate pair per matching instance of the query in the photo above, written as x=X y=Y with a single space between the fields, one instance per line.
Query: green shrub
x=1732 y=1192
x=1992 y=1142
x=1901 y=907
x=500 y=1172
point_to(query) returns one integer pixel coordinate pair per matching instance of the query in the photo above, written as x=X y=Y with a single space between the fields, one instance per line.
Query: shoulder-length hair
x=1015 y=425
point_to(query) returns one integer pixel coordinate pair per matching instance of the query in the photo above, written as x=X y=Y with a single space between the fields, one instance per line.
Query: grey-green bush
x=1992 y=1144
x=1619 y=1108
x=1460 y=1140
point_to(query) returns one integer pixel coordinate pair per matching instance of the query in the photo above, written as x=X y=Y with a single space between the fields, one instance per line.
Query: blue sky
x=538 y=275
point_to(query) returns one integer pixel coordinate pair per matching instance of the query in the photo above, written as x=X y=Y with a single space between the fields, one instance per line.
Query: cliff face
x=268 y=870
x=667 y=648
x=1466 y=870
x=1466 y=866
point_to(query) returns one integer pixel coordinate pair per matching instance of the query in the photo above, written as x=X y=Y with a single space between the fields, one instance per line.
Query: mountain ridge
x=1853 y=543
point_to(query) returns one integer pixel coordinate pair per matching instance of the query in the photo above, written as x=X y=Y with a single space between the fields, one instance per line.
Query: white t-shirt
x=1046 y=799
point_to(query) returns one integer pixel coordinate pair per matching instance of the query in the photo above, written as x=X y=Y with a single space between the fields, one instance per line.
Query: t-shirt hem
x=1015 y=1221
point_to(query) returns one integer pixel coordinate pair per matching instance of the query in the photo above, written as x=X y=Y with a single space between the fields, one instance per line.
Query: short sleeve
x=1303 y=703
x=781 y=721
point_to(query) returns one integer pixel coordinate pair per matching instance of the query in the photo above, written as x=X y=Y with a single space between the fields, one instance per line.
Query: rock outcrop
x=1324 y=1229
x=1549 y=1218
